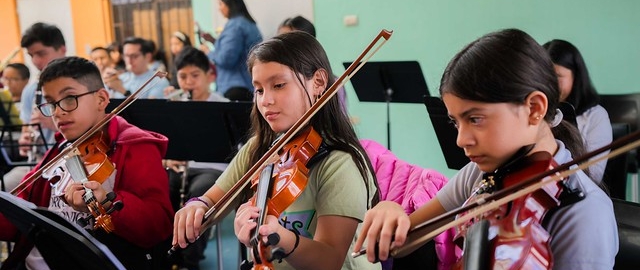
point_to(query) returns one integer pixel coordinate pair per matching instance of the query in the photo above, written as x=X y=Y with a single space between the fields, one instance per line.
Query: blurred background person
x=577 y=89
x=15 y=78
x=177 y=42
x=231 y=49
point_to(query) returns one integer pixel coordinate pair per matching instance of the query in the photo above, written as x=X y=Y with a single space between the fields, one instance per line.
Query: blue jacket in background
x=230 y=53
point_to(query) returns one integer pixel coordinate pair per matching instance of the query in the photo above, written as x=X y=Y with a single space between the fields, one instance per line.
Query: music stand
x=197 y=130
x=63 y=245
x=394 y=81
x=447 y=134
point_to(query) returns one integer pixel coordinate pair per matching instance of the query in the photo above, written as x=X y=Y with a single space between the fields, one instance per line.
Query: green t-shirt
x=335 y=187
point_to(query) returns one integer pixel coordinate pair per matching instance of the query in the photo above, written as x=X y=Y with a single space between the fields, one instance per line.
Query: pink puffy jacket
x=411 y=186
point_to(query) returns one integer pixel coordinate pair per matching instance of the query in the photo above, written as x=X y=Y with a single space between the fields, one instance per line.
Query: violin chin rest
x=476 y=242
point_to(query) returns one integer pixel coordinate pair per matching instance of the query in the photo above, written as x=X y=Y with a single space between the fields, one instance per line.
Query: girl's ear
x=537 y=103
x=320 y=81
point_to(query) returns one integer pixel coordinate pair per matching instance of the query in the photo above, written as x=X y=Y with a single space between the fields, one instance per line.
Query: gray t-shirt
x=584 y=235
x=595 y=128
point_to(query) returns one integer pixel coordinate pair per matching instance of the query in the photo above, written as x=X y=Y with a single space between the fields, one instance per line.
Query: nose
x=266 y=98
x=189 y=80
x=465 y=138
x=38 y=62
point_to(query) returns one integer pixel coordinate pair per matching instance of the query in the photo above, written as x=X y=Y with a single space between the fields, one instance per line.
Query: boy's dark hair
x=47 y=34
x=79 y=69
x=145 y=46
x=22 y=70
x=190 y=56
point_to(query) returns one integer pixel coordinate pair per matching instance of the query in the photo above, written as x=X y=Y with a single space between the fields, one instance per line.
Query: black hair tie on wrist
x=294 y=245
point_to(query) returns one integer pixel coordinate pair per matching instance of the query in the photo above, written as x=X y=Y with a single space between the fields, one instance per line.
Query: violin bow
x=6 y=60
x=222 y=207
x=26 y=183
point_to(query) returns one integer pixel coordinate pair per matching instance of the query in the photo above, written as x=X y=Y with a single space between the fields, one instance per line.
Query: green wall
x=202 y=13
x=431 y=32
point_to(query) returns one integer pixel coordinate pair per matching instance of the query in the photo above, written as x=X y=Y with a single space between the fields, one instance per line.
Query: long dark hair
x=238 y=8
x=304 y=55
x=583 y=95
x=505 y=67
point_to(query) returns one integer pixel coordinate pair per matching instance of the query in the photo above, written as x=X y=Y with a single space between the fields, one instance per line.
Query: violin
x=516 y=226
x=86 y=159
x=278 y=186
x=223 y=206
x=539 y=185
x=87 y=162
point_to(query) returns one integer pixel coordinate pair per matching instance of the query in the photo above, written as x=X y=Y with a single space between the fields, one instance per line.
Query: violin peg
x=116 y=206
x=109 y=198
x=277 y=254
x=273 y=239
x=83 y=222
x=246 y=265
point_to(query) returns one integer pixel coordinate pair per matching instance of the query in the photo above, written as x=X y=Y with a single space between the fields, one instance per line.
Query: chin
x=486 y=168
x=70 y=136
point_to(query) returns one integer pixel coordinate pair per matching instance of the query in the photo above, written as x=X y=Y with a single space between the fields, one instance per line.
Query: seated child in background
x=194 y=76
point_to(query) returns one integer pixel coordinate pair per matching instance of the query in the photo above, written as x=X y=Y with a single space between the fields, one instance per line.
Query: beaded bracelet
x=294 y=245
x=196 y=199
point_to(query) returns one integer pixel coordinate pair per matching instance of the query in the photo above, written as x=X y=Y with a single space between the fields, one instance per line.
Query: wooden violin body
x=514 y=234
x=94 y=155
x=290 y=172
x=285 y=180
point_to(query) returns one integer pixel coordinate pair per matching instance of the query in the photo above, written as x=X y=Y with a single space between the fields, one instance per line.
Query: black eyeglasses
x=67 y=104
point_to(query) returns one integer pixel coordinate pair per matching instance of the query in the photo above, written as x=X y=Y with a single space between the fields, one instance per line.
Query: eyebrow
x=272 y=78
x=61 y=91
x=467 y=112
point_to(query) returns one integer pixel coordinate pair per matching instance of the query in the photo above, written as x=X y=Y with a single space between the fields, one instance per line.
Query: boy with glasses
x=75 y=98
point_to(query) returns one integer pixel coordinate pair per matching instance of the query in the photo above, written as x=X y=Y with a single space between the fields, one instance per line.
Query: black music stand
x=396 y=81
x=447 y=134
x=197 y=130
x=63 y=245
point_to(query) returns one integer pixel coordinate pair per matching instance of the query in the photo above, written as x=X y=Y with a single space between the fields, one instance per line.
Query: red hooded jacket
x=141 y=183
